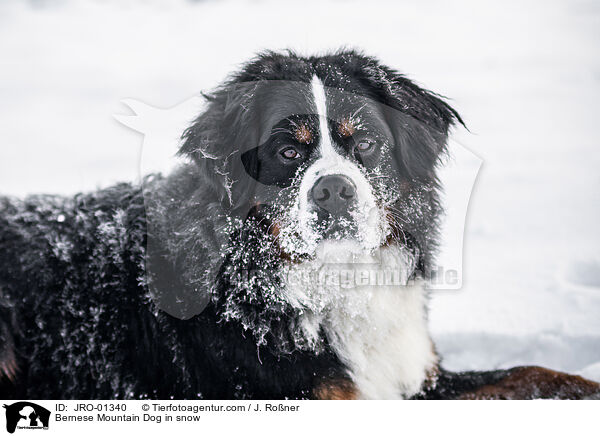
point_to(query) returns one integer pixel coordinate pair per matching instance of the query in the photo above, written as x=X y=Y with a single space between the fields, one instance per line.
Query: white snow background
x=525 y=75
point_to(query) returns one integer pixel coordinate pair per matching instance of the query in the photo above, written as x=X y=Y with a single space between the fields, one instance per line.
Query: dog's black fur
x=103 y=295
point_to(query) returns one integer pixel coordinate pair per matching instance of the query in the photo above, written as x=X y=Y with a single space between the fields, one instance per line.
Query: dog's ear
x=419 y=119
x=216 y=139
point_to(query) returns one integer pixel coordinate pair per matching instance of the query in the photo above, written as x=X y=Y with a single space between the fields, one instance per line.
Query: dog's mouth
x=298 y=241
x=337 y=227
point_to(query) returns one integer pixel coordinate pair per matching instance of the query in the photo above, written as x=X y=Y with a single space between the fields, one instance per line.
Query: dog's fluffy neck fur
x=379 y=332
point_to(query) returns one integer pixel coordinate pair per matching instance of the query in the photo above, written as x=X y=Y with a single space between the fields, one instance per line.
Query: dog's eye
x=290 y=153
x=364 y=146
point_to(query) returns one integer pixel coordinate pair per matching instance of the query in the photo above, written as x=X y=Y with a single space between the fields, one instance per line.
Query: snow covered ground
x=524 y=75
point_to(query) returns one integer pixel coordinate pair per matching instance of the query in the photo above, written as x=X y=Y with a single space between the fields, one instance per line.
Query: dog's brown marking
x=396 y=234
x=275 y=230
x=529 y=382
x=337 y=389
x=303 y=134
x=8 y=365
x=346 y=128
x=431 y=379
x=272 y=228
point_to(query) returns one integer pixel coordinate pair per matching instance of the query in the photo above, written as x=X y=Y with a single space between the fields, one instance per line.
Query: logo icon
x=26 y=415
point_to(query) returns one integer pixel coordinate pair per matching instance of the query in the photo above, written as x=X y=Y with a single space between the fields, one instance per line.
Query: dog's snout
x=334 y=193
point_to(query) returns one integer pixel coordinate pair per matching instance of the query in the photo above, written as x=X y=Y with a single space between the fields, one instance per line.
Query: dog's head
x=320 y=148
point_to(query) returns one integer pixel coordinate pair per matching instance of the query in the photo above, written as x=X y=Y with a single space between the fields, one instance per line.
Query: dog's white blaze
x=320 y=101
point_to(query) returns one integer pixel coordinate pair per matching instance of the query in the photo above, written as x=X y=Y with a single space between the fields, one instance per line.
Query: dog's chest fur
x=372 y=318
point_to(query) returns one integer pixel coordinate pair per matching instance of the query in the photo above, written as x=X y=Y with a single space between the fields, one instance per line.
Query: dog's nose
x=334 y=193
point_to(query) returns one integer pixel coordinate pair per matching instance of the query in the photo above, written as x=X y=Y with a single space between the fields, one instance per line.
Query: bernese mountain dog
x=287 y=258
